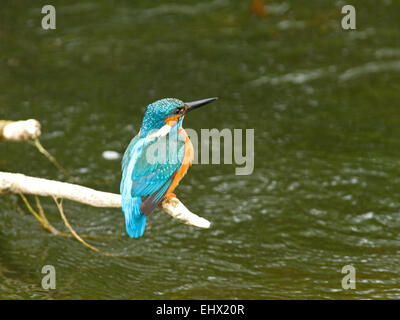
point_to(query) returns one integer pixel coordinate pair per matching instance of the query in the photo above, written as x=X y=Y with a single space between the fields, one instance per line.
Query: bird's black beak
x=196 y=104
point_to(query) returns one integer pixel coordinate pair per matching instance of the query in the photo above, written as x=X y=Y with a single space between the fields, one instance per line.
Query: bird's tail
x=135 y=221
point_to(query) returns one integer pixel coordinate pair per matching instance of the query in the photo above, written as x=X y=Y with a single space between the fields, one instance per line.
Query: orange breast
x=187 y=161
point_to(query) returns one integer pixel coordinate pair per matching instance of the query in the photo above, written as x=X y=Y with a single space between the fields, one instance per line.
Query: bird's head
x=161 y=115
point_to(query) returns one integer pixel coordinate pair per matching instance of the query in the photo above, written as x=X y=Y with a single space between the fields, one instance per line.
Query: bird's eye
x=178 y=110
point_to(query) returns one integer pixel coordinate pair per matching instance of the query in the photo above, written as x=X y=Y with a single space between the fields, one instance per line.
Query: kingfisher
x=146 y=182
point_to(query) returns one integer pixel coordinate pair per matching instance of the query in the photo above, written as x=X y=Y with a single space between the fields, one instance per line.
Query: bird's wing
x=129 y=152
x=156 y=162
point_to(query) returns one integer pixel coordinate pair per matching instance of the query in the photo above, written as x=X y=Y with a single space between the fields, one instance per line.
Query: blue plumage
x=148 y=169
x=153 y=163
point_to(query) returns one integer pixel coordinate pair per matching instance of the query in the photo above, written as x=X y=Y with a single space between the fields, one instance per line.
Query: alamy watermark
x=49 y=280
x=168 y=148
x=349 y=20
x=49 y=20
x=349 y=280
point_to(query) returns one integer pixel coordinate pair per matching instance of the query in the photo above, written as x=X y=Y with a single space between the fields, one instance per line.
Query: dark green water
x=325 y=106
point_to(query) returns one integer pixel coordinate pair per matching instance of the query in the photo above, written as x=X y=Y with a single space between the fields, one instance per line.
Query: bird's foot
x=170 y=195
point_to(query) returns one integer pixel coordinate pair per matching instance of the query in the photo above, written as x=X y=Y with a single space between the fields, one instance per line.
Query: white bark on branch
x=19 y=130
x=19 y=183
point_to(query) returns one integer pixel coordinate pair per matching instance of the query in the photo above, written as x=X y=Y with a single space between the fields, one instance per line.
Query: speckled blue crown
x=156 y=113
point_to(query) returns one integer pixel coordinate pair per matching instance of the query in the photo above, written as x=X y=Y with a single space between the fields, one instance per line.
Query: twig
x=44 y=223
x=53 y=160
x=73 y=232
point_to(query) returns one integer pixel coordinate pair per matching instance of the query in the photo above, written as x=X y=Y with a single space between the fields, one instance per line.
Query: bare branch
x=19 y=130
x=19 y=183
